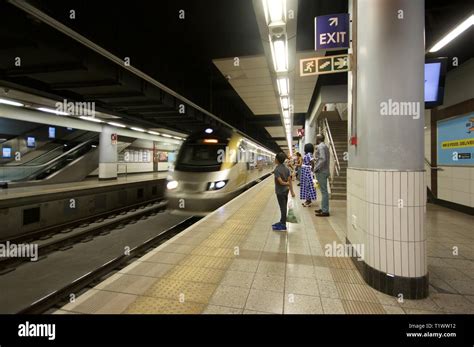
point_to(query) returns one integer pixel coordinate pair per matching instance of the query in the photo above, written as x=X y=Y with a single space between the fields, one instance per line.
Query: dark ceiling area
x=176 y=52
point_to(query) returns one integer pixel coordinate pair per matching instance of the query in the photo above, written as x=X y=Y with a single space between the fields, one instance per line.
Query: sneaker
x=280 y=227
x=322 y=214
x=275 y=224
x=318 y=211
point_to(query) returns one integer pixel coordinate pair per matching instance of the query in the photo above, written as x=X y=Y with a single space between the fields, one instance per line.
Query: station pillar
x=108 y=153
x=386 y=197
x=309 y=132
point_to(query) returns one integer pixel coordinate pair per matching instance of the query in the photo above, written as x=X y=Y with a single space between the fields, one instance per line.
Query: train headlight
x=216 y=185
x=172 y=185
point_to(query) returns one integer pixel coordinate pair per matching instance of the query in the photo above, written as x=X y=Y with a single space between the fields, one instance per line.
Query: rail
x=433 y=167
x=328 y=135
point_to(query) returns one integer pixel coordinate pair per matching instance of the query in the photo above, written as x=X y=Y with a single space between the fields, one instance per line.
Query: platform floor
x=232 y=262
x=21 y=192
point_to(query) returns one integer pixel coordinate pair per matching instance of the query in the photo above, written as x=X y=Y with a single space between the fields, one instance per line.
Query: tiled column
x=107 y=155
x=309 y=132
x=386 y=195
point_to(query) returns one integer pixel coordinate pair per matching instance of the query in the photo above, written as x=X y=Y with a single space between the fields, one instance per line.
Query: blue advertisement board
x=331 y=32
x=456 y=141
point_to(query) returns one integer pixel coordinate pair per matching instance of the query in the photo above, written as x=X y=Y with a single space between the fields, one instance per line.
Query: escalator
x=68 y=165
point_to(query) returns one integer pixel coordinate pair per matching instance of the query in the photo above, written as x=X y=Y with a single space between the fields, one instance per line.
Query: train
x=213 y=166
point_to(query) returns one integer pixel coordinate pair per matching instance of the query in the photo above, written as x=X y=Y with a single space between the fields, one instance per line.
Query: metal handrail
x=433 y=167
x=331 y=145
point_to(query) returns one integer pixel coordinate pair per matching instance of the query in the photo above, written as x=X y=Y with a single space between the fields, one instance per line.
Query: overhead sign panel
x=331 y=32
x=324 y=65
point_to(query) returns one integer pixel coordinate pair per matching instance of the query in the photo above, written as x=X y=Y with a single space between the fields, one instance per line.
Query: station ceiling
x=178 y=53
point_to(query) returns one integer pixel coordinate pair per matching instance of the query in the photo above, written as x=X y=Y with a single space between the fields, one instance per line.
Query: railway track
x=65 y=236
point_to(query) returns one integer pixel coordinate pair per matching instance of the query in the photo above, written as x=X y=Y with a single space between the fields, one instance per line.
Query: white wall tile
x=404 y=187
x=397 y=260
x=389 y=222
x=410 y=189
x=383 y=255
x=418 y=259
x=411 y=259
x=375 y=185
x=376 y=220
x=411 y=223
x=397 y=229
x=404 y=223
x=390 y=260
x=405 y=259
x=396 y=188
x=376 y=252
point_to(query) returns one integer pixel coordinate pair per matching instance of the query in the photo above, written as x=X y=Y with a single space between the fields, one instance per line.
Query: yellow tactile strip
x=358 y=307
x=187 y=287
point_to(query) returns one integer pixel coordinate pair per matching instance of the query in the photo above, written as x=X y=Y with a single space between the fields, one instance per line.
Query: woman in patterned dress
x=307 y=191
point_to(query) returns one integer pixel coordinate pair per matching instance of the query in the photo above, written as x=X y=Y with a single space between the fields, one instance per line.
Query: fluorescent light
x=166 y=135
x=274 y=10
x=286 y=114
x=153 y=133
x=138 y=129
x=11 y=103
x=118 y=125
x=210 y=140
x=453 y=34
x=50 y=110
x=283 y=86
x=208 y=131
x=280 y=55
x=285 y=103
x=176 y=137
x=91 y=119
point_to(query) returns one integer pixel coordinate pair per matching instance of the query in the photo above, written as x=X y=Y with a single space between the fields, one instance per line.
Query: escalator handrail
x=75 y=148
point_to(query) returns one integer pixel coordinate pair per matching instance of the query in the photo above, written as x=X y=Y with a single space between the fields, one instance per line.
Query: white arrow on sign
x=333 y=21
x=340 y=63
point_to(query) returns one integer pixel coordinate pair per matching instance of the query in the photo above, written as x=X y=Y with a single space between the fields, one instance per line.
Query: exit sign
x=332 y=32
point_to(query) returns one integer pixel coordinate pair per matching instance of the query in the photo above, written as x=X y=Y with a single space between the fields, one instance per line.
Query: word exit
x=332 y=32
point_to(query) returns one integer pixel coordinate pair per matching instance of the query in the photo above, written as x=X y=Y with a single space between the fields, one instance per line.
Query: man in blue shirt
x=321 y=169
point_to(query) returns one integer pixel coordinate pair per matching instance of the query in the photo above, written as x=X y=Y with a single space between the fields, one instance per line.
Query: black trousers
x=283 y=202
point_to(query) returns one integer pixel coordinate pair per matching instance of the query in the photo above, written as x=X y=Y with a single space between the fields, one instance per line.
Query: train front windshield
x=199 y=155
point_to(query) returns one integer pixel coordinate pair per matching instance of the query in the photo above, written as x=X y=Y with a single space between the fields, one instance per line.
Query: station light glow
x=11 y=103
x=172 y=185
x=283 y=86
x=280 y=55
x=210 y=141
x=50 y=110
x=208 y=131
x=285 y=103
x=91 y=119
x=166 y=135
x=153 y=133
x=118 y=125
x=138 y=129
x=275 y=11
x=453 y=34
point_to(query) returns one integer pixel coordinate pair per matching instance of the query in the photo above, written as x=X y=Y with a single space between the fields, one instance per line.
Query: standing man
x=322 y=174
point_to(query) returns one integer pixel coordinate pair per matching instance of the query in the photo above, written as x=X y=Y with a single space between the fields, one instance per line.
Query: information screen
x=6 y=152
x=52 y=132
x=456 y=141
x=30 y=142
x=432 y=79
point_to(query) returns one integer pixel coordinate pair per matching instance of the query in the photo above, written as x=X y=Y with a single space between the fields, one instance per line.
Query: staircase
x=339 y=135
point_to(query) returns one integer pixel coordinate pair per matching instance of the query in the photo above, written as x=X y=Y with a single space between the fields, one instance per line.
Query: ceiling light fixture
x=118 y=125
x=453 y=34
x=91 y=119
x=138 y=129
x=283 y=86
x=11 y=103
x=50 y=110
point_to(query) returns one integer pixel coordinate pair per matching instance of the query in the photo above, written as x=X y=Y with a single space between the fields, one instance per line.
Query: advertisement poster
x=6 y=152
x=456 y=141
x=163 y=157
x=30 y=142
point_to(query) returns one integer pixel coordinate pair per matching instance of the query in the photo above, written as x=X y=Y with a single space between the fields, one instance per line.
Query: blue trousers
x=322 y=178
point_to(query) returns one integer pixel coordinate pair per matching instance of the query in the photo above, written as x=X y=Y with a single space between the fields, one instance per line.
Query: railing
x=433 y=167
x=328 y=135
x=28 y=172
